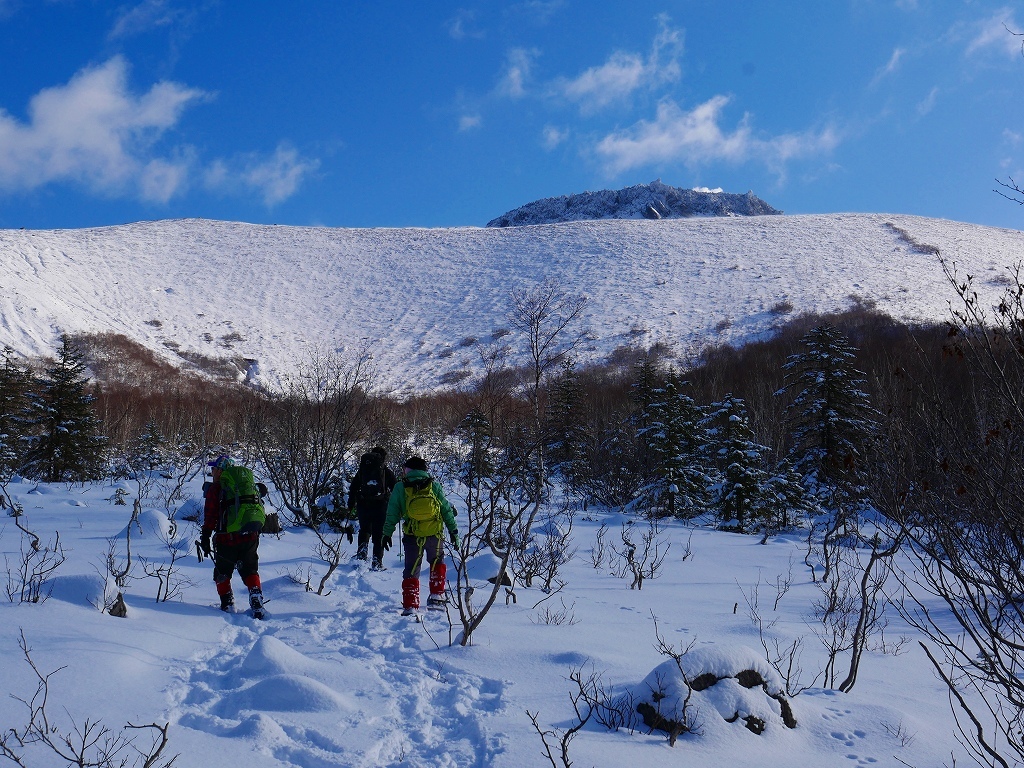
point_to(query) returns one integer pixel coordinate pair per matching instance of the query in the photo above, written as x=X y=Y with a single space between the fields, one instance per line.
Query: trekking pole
x=199 y=551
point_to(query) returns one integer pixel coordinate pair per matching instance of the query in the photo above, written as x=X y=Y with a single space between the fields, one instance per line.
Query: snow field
x=344 y=680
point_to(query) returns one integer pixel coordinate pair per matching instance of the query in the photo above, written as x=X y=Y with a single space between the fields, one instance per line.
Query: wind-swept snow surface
x=424 y=302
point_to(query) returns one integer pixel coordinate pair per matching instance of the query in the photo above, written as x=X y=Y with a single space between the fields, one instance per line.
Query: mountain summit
x=643 y=201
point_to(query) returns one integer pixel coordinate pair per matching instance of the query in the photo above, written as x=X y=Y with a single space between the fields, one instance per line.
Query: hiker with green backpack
x=233 y=517
x=419 y=503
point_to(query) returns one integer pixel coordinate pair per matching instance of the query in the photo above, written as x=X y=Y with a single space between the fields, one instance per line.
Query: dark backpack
x=373 y=485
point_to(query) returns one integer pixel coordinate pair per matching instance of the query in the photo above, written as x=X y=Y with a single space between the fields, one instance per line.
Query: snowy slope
x=425 y=300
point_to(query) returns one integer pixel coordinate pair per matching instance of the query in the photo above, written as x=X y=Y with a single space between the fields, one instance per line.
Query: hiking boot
x=361 y=553
x=377 y=565
x=256 y=603
x=436 y=603
x=408 y=611
x=227 y=602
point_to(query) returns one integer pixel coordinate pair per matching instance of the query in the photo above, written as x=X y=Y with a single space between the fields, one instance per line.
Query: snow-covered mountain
x=426 y=302
x=643 y=201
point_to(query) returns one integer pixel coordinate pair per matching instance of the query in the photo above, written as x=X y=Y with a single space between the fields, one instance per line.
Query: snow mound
x=643 y=201
x=282 y=693
x=270 y=656
x=149 y=523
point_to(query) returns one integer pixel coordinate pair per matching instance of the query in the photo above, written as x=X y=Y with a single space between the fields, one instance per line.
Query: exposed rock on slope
x=644 y=201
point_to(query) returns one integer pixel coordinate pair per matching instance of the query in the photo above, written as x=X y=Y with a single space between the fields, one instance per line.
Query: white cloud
x=461 y=25
x=997 y=32
x=274 y=178
x=539 y=12
x=147 y=15
x=554 y=136
x=517 y=74
x=469 y=122
x=624 y=73
x=96 y=132
x=891 y=66
x=928 y=103
x=696 y=137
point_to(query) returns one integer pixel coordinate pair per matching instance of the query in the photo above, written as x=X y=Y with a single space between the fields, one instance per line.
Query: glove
x=262 y=489
x=386 y=543
x=205 y=545
x=454 y=536
x=349 y=533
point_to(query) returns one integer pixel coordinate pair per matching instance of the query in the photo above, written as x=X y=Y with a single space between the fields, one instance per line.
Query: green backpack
x=241 y=502
x=422 y=509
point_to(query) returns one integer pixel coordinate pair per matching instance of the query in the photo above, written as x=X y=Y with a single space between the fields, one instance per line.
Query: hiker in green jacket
x=418 y=501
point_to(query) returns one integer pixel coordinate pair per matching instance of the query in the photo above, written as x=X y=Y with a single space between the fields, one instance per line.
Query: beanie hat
x=380 y=452
x=415 y=462
x=220 y=462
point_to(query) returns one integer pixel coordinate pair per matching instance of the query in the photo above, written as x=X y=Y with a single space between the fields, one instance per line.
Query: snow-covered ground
x=344 y=680
x=424 y=302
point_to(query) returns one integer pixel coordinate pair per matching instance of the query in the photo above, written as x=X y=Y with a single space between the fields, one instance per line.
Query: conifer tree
x=647 y=381
x=15 y=382
x=477 y=466
x=790 y=499
x=742 y=496
x=149 y=451
x=831 y=418
x=62 y=431
x=566 y=430
x=677 y=439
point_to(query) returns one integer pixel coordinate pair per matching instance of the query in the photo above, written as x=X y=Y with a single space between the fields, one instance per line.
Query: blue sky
x=402 y=113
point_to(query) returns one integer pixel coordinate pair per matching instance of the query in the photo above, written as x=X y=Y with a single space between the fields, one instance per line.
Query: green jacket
x=397 y=510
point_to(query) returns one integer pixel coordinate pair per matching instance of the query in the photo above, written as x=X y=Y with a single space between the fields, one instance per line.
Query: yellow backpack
x=422 y=509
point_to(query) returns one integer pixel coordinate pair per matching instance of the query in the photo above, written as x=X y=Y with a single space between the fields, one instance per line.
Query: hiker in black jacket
x=368 y=495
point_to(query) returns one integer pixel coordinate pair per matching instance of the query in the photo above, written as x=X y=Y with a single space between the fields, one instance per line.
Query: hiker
x=233 y=517
x=418 y=501
x=368 y=495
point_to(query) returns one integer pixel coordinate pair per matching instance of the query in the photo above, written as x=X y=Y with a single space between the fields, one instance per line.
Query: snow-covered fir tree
x=566 y=432
x=15 y=382
x=742 y=496
x=676 y=436
x=62 y=430
x=150 y=450
x=475 y=457
x=790 y=499
x=831 y=419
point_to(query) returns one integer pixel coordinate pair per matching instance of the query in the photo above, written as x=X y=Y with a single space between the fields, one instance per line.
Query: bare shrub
x=599 y=551
x=87 y=744
x=28 y=580
x=644 y=560
x=556 y=616
x=586 y=701
x=167 y=572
